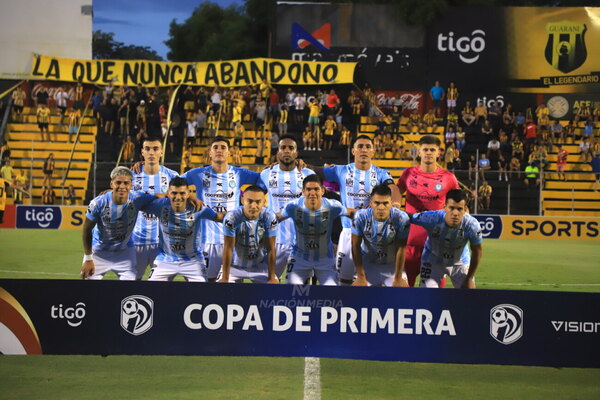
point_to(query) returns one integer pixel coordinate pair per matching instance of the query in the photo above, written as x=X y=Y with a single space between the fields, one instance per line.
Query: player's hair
x=381 y=190
x=429 y=139
x=219 y=139
x=312 y=178
x=254 y=188
x=152 y=139
x=362 y=137
x=288 y=136
x=178 y=181
x=457 y=195
x=120 y=171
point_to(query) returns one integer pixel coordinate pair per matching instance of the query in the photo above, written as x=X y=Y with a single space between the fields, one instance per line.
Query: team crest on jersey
x=164 y=183
x=350 y=178
x=106 y=214
x=438 y=187
x=206 y=182
x=413 y=183
x=373 y=177
x=325 y=215
x=231 y=184
x=164 y=217
x=435 y=233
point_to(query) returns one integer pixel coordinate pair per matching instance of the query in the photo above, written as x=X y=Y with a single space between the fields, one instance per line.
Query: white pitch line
x=37 y=273
x=312 y=378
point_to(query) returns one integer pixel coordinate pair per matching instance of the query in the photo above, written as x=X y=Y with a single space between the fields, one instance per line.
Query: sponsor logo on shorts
x=137 y=314
x=506 y=323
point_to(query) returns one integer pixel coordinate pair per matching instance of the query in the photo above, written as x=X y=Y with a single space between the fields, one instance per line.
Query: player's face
x=313 y=193
x=178 y=196
x=429 y=153
x=253 y=202
x=287 y=152
x=120 y=185
x=363 y=150
x=454 y=212
x=152 y=152
x=381 y=206
x=219 y=152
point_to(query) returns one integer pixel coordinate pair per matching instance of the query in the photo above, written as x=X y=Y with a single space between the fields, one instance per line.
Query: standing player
x=313 y=218
x=425 y=186
x=107 y=229
x=283 y=183
x=247 y=230
x=152 y=178
x=356 y=181
x=218 y=186
x=379 y=233
x=446 y=250
x=180 y=253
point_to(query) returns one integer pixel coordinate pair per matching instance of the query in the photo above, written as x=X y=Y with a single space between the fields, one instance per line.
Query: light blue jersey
x=379 y=237
x=283 y=187
x=146 y=227
x=248 y=234
x=313 y=228
x=221 y=192
x=115 y=223
x=356 y=185
x=179 y=231
x=447 y=246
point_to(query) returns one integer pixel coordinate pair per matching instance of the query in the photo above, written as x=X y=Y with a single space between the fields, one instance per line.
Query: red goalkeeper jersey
x=424 y=192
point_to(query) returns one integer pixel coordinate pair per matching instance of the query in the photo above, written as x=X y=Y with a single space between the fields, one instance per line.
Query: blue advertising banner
x=38 y=217
x=176 y=318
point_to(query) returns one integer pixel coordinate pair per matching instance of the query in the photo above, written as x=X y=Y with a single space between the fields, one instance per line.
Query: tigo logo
x=491 y=226
x=38 y=217
x=136 y=314
x=506 y=323
x=321 y=38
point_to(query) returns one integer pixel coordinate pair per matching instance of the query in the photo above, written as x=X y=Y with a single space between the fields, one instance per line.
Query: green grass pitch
x=506 y=264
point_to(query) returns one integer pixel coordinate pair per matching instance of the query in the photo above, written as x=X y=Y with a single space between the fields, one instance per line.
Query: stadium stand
x=29 y=150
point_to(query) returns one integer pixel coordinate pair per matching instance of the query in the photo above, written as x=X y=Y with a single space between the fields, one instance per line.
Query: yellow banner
x=554 y=228
x=218 y=73
x=556 y=46
x=72 y=217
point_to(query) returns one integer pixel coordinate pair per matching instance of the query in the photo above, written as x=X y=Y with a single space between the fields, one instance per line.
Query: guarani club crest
x=565 y=49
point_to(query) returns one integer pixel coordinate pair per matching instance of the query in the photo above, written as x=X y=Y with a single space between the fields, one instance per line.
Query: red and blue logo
x=321 y=38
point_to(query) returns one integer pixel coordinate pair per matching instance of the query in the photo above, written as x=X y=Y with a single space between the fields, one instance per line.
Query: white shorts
x=344 y=261
x=299 y=271
x=144 y=256
x=256 y=275
x=282 y=252
x=431 y=274
x=451 y=103
x=192 y=271
x=213 y=254
x=379 y=274
x=120 y=262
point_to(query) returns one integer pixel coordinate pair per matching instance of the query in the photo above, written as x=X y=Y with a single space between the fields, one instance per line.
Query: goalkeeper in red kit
x=425 y=186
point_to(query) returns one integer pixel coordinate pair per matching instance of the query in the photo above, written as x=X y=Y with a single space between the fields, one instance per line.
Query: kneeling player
x=244 y=229
x=379 y=233
x=180 y=250
x=446 y=252
x=109 y=222
x=313 y=218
